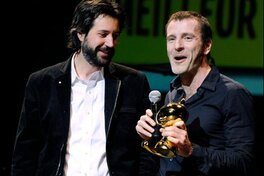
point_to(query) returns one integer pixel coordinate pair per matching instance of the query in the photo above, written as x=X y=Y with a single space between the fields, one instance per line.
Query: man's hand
x=178 y=136
x=145 y=125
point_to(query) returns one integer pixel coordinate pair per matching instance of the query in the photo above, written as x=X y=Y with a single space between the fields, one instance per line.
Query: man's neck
x=83 y=69
x=193 y=81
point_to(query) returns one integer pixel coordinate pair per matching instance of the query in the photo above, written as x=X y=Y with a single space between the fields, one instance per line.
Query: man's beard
x=91 y=57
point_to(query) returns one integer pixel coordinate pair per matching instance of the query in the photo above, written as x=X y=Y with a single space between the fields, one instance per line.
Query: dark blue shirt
x=220 y=126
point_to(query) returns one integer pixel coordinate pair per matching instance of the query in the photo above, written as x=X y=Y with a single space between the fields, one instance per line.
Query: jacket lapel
x=112 y=88
x=63 y=85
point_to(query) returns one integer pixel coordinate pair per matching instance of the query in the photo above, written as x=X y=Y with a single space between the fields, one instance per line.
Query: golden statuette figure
x=167 y=116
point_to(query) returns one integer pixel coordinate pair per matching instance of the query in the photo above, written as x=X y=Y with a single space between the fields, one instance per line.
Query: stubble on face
x=184 y=46
x=91 y=55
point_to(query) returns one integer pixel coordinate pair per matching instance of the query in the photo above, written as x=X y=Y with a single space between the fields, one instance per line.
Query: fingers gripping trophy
x=166 y=116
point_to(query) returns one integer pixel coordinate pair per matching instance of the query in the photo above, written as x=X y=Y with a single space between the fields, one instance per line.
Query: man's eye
x=103 y=34
x=170 y=39
x=188 y=37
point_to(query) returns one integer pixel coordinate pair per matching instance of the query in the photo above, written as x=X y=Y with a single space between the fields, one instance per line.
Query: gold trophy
x=167 y=116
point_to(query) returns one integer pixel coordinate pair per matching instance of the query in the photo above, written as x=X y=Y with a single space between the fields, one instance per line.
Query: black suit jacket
x=44 y=122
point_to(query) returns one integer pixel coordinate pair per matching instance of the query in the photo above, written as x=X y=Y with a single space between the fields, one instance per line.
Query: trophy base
x=145 y=145
x=162 y=151
x=165 y=152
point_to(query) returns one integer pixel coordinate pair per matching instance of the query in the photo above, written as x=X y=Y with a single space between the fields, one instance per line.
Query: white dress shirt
x=86 y=146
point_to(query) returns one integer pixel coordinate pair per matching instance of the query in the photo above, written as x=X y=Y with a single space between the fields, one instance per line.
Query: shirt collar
x=208 y=83
x=74 y=76
x=95 y=77
x=211 y=79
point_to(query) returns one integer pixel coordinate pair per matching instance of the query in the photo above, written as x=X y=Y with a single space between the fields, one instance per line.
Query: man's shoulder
x=51 y=68
x=230 y=82
x=231 y=86
x=51 y=71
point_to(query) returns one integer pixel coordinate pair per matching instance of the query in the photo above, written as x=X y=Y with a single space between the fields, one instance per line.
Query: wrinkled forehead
x=187 y=25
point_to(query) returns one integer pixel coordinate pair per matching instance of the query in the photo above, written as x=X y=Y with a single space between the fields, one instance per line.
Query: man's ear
x=81 y=36
x=207 y=47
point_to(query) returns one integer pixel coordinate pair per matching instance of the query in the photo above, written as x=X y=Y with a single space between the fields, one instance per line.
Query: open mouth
x=178 y=58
